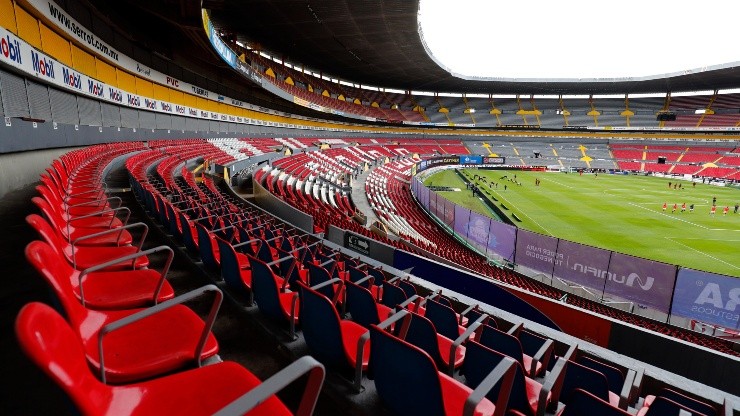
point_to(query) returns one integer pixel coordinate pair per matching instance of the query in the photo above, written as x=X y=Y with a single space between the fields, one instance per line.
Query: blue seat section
x=580 y=377
x=480 y=361
x=583 y=403
x=363 y=307
x=331 y=340
x=274 y=303
x=444 y=319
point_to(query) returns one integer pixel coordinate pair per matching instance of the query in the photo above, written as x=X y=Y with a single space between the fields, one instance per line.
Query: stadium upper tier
x=555 y=112
x=182 y=95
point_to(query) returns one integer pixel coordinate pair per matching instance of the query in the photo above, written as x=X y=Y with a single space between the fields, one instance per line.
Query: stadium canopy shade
x=574 y=40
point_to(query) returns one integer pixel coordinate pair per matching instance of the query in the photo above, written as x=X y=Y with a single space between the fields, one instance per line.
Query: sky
x=579 y=39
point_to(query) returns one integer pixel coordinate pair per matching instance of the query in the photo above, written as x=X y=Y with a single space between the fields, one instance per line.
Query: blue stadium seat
x=338 y=343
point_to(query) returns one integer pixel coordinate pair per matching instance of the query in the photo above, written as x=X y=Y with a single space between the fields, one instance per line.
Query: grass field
x=617 y=212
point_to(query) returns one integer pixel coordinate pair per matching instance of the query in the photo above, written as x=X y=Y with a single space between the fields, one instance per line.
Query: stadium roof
x=378 y=43
x=370 y=42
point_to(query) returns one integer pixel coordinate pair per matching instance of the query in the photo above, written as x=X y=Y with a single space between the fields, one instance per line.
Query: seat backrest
x=265 y=289
x=188 y=238
x=502 y=342
x=51 y=197
x=289 y=269
x=230 y=269
x=356 y=275
x=476 y=313
x=422 y=334
x=52 y=187
x=377 y=274
x=245 y=236
x=392 y=295
x=205 y=247
x=269 y=233
x=531 y=343
x=47 y=233
x=614 y=376
x=285 y=244
x=480 y=361
x=663 y=406
x=361 y=305
x=318 y=275
x=263 y=252
x=58 y=274
x=405 y=376
x=583 y=403
x=443 y=317
x=408 y=288
x=580 y=377
x=320 y=326
x=686 y=401
x=173 y=220
x=47 y=339
x=161 y=211
x=51 y=215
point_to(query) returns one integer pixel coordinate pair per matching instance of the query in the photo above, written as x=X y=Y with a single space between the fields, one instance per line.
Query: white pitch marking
x=556 y=182
x=669 y=216
x=525 y=214
x=703 y=253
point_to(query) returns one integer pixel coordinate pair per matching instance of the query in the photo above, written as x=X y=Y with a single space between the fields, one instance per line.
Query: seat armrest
x=162 y=274
x=163 y=306
x=96 y=203
x=105 y=211
x=413 y=299
x=625 y=394
x=286 y=376
x=278 y=261
x=515 y=329
x=727 y=408
x=462 y=314
x=118 y=230
x=504 y=372
x=462 y=338
x=361 y=343
x=553 y=383
x=636 y=386
x=571 y=354
x=542 y=356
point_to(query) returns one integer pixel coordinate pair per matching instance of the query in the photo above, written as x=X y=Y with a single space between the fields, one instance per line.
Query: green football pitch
x=616 y=212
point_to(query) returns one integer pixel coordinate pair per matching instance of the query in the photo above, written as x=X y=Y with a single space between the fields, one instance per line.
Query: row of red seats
x=306 y=312
x=312 y=302
x=139 y=356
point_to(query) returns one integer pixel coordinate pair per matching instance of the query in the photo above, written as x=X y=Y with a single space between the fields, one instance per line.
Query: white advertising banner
x=18 y=54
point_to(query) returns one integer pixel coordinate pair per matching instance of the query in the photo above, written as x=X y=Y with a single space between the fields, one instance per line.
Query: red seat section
x=47 y=339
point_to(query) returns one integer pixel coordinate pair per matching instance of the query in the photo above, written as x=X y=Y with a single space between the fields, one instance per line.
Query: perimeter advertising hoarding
x=491 y=160
x=462 y=215
x=471 y=160
x=436 y=161
x=502 y=239
x=436 y=206
x=449 y=212
x=476 y=231
x=584 y=265
x=707 y=297
x=645 y=282
x=536 y=251
x=423 y=196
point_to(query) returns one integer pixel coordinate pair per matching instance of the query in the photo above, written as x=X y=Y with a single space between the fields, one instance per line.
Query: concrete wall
x=17 y=170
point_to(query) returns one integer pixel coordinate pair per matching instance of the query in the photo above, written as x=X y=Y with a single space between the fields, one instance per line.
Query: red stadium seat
x=52 y=345
x=134 y=344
